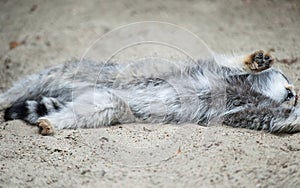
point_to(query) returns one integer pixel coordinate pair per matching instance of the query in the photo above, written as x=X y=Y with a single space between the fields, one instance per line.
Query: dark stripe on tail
x=41 y=110
x=31 y=110
x=17 y=111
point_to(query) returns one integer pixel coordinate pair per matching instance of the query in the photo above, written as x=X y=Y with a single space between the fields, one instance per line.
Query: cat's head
x=274 y=84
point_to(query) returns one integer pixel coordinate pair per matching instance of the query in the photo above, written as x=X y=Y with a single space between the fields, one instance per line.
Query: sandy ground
x=39 y=34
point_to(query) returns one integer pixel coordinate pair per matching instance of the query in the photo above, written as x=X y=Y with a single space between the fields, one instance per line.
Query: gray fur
x=88 y=95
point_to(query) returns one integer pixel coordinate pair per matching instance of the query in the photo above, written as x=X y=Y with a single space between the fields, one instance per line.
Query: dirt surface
x=38 y=34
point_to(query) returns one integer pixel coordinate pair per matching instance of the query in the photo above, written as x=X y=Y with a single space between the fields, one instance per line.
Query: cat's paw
x=45 y=126
x=258 y=61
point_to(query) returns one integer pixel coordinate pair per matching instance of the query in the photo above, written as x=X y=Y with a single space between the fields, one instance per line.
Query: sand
x=38 y=34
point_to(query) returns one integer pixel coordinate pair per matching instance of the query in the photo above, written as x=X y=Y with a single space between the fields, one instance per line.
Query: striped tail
x=31 y=110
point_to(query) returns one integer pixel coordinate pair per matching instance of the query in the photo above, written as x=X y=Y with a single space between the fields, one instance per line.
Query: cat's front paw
x=45 y=126
x=258 y=61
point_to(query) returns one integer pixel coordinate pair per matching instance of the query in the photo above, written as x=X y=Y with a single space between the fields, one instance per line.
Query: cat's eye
x=289 y=95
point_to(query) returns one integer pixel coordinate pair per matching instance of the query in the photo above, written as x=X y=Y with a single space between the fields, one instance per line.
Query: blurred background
x=36 y=34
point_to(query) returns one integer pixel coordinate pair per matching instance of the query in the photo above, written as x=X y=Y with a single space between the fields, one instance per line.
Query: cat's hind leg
x=90 y=110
